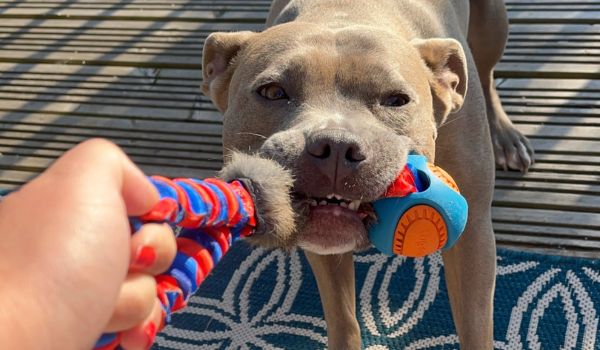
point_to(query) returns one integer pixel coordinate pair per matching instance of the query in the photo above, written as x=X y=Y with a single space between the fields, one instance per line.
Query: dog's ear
x=446 y=60
x=218 y=55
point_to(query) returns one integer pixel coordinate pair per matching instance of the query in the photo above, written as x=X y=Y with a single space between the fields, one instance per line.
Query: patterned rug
x=258 y=299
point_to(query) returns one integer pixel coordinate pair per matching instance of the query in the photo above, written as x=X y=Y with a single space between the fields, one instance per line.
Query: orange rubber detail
x=444 y=176
x=420 y=231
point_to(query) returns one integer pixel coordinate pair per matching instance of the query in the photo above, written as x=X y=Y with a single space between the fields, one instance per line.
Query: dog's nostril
x=323 y=151
x=354 y=155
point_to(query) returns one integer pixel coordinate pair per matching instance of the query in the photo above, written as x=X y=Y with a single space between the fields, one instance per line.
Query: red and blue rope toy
x=213 y=215
x=421 y=212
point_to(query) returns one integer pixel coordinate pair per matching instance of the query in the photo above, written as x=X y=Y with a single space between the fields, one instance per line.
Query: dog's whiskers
x=252 y=134
x=452 y=121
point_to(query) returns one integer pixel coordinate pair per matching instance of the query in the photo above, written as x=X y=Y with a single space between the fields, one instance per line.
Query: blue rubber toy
x=430 y=218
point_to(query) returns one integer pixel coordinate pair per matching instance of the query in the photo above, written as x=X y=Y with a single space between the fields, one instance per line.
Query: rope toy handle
x=213 y=214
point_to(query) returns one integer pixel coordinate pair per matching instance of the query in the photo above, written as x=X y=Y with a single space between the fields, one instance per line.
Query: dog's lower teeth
x=354 y=205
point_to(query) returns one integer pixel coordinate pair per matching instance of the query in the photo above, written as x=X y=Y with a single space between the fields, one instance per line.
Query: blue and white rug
x=258 y=299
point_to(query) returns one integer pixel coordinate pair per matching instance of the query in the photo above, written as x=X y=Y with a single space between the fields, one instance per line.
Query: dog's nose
x=336 y=153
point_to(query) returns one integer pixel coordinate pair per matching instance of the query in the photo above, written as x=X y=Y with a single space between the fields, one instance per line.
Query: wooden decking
x=130 y=70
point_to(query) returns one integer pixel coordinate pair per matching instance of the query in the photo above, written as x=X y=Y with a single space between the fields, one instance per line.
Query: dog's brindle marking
x=353 y=86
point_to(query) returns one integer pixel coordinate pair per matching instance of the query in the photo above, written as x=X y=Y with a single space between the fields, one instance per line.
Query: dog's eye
x=272 y=92
x=396 y=100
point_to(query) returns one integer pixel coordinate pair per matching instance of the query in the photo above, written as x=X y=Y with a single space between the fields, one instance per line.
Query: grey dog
x=337 y=93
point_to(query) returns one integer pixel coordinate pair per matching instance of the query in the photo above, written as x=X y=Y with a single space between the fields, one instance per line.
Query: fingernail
x=144 y=257
x=150 y=331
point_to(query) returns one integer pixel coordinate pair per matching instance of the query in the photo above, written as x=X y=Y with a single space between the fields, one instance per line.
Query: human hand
x=71 y=269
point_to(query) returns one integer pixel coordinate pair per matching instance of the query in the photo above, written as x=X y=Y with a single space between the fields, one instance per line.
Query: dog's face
x=340 y=109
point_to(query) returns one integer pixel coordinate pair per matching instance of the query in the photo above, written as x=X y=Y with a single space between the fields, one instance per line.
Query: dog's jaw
x=331 y=229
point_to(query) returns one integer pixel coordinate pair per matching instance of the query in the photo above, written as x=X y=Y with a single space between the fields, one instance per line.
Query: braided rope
x=213 y=215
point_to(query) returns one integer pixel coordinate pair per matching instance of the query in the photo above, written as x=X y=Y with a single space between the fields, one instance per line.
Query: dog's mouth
x=335 y=224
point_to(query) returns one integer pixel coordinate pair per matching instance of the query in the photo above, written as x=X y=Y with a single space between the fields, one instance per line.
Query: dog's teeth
x=330 y=196
x=323 y=203
x=338 y=197
x=354 y=205
x=313 y=203
x=344 y=204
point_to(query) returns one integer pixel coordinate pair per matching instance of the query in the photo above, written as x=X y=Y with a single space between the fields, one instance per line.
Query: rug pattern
x=259 y=299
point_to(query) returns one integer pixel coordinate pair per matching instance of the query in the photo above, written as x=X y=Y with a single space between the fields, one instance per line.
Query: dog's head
x=340 y=109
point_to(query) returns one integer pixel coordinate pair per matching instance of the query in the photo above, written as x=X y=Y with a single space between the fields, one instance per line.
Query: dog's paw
x=512 y=150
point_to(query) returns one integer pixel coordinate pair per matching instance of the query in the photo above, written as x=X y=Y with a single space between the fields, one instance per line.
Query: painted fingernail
x=144 y=257
x=150 y=331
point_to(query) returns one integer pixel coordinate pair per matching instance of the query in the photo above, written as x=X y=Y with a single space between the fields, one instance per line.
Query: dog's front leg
x=470 y=275
x=335 y=279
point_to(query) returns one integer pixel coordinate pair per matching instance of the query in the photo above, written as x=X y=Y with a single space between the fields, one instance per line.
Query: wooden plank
x=153 y=157
x=567 y=159
x=532 y=57
x=526 y=69
x=551 y=120
x=548 y=241
x=117 y=13
x=546 y=200
x=143 y=44
x=579 y=17
x=584 y=168
x=48 y=139
x=55 y=90
x=578 y=132
x=548 y=84
x=107 y=98
x=585 y=53
x=11 y=179
x=168 y=26
x=571 y=252
x=141 y=75
x=175 y=48
x=570 y=96
x=545 y=2
x=547 y=186
x=550 y=176
x=149 y=36
x=133 y=127
x=39 y=163
x=145 y=5
x=98 y=84
x=553 y=110
x=553 y=7
x=27 y=135
x=566 y=146
x=544 y=217
x=567 y=233
x=95 y=109
x=56 y=85
x=190 y=61
x=533 y=30
x=550 y=42
x=207 y=2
